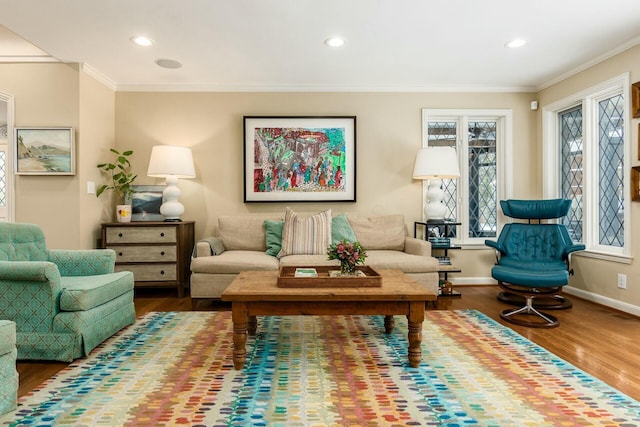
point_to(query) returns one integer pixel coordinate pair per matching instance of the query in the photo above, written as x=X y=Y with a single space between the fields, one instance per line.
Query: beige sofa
x=240 y=244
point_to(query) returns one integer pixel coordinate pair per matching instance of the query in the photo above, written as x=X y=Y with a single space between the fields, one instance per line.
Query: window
x=584 y=160
x=481 y=139
x=6 y=138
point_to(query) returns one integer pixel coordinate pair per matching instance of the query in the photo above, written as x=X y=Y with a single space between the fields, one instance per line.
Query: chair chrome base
x=539 y=319
x=553 y=302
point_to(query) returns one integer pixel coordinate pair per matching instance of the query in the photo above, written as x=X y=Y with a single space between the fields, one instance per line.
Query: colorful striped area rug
x=176 y=369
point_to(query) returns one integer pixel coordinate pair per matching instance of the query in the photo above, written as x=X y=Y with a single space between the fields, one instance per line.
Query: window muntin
x=611 y=171
x=584 y=154
x=570 y=125
x=473 y=198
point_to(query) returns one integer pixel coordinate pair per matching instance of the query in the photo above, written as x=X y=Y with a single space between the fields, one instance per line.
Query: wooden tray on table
x=328 y=276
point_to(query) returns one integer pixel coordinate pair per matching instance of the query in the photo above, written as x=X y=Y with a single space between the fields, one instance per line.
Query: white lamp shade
x=169 y=160
x=436 y=162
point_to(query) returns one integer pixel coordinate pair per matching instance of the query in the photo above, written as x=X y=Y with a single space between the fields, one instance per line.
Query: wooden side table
x=158 y=253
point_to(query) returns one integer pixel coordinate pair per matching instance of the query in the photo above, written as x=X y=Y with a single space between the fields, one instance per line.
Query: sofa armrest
x=209 y=246
x=86 y=262
x=28 y=271
x=415 y=246
x=498 y=248
x=573 y=248
x=36 y=283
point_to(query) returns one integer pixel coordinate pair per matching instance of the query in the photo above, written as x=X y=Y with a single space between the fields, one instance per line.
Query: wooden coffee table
x=255 y=293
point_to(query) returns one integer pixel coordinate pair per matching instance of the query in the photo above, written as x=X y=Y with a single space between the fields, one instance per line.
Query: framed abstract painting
x=300 y=159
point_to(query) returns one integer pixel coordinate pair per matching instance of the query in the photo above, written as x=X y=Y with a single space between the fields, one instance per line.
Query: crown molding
x=613 y=52
x=27 y=58
x=321 y=88
x=90 y=71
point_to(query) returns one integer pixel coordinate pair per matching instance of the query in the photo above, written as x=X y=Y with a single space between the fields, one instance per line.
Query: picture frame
x=635 y=100
x=44 y=151
x=635 y=183
x=145 y=202
x=299 y=159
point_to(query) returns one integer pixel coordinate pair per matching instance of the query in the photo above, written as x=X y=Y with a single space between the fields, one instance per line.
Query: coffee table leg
x=253 y=326
x=389 y=323
x=415 y=319
x=239 y=316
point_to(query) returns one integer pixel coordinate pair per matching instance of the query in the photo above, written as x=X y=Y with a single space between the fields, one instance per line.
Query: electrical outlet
x=622 y=281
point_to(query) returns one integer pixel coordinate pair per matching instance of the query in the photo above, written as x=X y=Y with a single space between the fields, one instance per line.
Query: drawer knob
x=119 y=234
x=119 y=253
x=161 y=234
x=162 y=272
x=162 y=253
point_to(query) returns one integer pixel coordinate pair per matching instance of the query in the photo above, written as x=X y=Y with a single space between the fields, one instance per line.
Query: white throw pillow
x=305 y=236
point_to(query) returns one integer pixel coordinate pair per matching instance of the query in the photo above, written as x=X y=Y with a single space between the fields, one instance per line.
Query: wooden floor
x=603 y=342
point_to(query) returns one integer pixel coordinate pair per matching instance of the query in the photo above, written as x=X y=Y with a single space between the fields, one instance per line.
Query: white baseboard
x=602 y=300
x=589 y=296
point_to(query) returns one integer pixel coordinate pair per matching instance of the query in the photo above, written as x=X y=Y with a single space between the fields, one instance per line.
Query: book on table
x=306 y=272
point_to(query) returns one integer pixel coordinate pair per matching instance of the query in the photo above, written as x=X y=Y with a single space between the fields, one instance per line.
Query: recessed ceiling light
x=142 y=41
x=516 y=43
x=168 y=63
x=334 y=42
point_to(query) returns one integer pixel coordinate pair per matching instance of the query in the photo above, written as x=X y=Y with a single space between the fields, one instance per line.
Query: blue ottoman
x=8 y=373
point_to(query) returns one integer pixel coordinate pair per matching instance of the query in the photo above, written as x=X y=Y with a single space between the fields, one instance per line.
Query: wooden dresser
x=158 y=253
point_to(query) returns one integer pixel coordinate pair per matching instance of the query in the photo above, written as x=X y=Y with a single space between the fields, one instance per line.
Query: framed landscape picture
x=45 y=151
x=145 y=202
x=300 y=159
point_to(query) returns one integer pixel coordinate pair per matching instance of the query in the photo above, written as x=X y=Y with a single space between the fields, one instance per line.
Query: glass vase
x=347 y=268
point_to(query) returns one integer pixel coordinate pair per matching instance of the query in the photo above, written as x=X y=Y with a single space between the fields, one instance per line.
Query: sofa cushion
x=273 y=232
x=306 y=236
x=244 y=232
x=81 y=293
x=341 y=229
x=234 y=262
x=380 y=232
x=390 y=259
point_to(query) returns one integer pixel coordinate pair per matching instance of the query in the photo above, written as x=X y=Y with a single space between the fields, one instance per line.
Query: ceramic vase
x=123 y=213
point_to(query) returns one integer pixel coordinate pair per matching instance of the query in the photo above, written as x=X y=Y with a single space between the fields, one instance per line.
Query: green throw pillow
x=341 y=229
x=273 y=231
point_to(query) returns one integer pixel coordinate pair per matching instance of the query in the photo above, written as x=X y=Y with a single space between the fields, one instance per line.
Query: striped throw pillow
x=305 y=236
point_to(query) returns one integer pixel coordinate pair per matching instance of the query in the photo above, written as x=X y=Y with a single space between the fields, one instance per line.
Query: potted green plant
x=120 y=180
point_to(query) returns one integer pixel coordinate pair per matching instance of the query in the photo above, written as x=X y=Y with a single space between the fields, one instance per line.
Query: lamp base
x=171 y=209
x=434 y=208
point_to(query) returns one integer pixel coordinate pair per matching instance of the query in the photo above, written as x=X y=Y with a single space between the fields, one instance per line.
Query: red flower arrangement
x=349 y=254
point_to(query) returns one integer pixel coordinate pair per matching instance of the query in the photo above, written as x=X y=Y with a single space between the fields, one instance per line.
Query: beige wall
x=595 y=275
x=62 y=95
x=46 y=95
x=96 y=137
x=388 y=137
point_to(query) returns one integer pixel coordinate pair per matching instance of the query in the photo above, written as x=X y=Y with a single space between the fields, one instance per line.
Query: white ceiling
x=392 y=45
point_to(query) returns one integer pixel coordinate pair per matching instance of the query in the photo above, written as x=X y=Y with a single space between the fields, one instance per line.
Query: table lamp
x=171 y=162
x=434 y=164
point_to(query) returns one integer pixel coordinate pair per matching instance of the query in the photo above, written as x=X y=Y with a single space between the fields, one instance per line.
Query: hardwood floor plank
x=601 y=341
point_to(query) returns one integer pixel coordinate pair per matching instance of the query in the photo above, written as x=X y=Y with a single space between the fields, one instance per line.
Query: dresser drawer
x=157 y=253
x=151 y=272
x=116 y=235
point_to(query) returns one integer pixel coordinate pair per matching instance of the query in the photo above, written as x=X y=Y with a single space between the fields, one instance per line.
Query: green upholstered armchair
x=8 y=373
x=64 y=302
